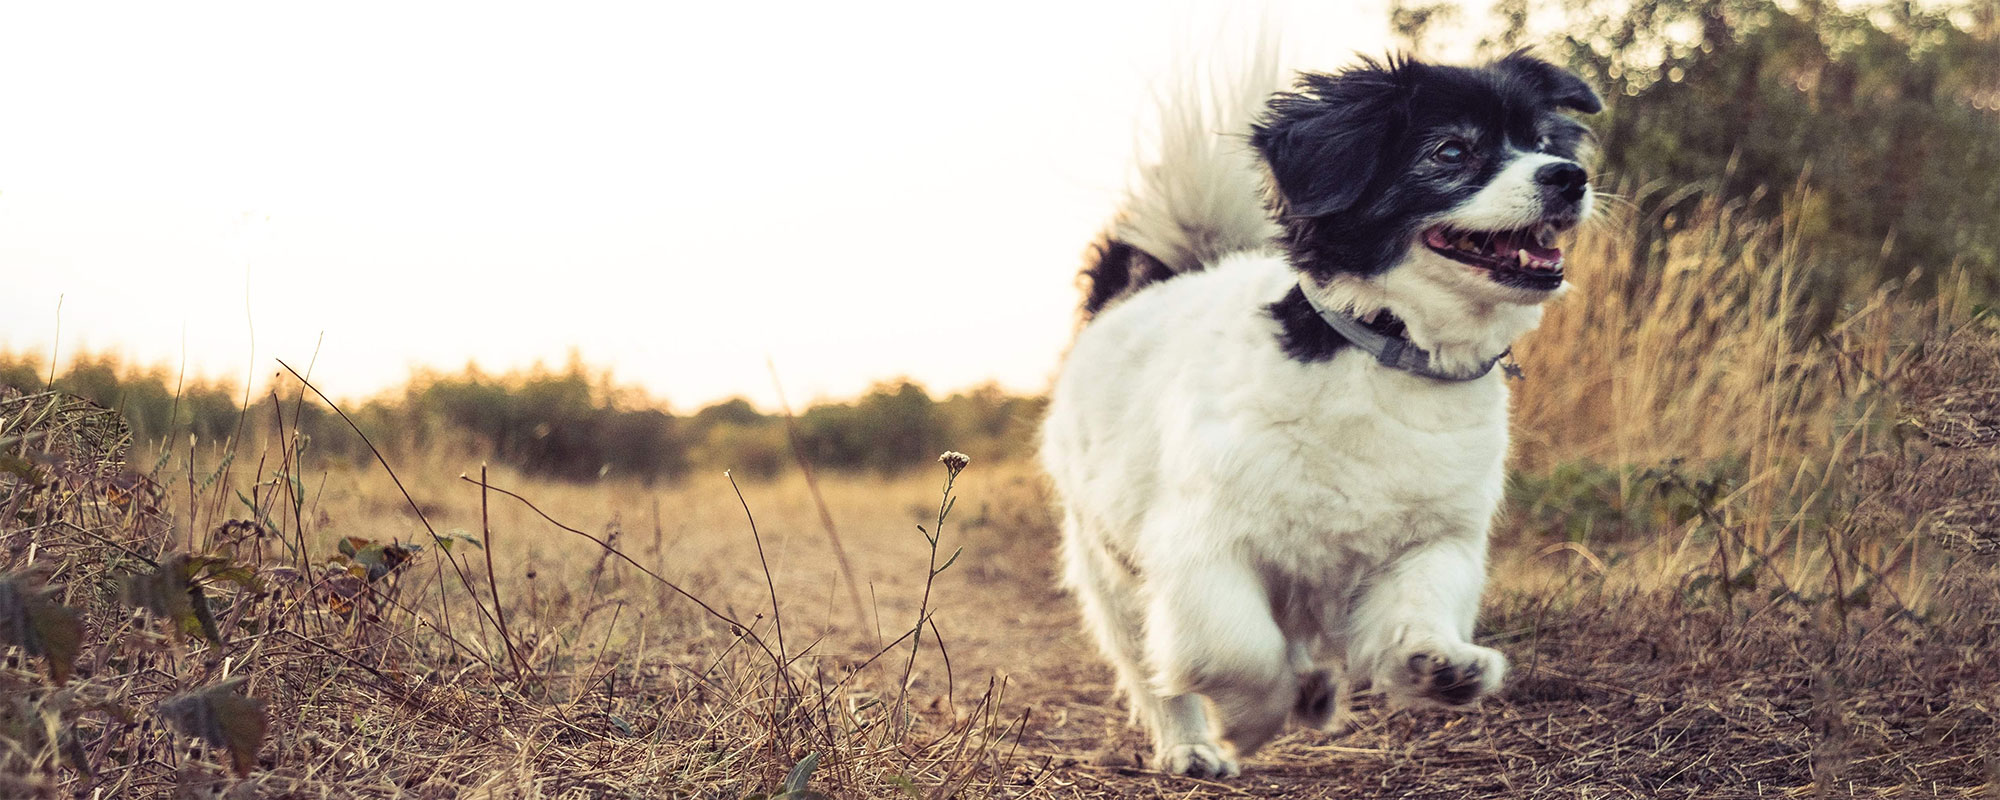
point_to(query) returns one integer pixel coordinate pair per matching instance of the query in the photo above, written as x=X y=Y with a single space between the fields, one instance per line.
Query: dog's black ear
x=1327 y=140
x=1562 y=87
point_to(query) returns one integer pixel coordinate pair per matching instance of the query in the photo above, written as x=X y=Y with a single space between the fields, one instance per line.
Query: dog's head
x=1465 y=175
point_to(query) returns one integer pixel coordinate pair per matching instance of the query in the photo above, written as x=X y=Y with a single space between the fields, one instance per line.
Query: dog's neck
x=1461 y=335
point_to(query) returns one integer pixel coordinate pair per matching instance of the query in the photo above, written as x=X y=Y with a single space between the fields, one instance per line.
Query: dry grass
x=1799 y=600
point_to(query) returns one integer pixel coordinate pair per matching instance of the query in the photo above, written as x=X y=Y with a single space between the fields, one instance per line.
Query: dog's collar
x=1396 y=352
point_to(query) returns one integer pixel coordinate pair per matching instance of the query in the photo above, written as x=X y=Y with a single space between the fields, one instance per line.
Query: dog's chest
x=1371 y=470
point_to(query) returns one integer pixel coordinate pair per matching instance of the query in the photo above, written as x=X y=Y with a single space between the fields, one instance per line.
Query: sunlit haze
x=675 y=191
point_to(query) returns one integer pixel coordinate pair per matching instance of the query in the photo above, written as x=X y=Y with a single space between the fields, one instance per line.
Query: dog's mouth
x=1526 y=258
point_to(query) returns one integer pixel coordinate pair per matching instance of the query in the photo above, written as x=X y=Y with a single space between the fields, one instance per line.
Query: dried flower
x=954 y=460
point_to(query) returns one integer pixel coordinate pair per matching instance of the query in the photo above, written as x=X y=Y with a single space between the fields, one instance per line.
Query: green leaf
x=205 y=618
x=72 y=753
x=795 y=782
x=223 y=717
x=1745 y=578
x=949 y=561
x=19 y=467
x=171 y=594
x=247 y=503
x=233 y=573
x=446 y=541
x=32 y=619
x=60 y=631
x=382 y=559
x=204 y=569
x=908 y=786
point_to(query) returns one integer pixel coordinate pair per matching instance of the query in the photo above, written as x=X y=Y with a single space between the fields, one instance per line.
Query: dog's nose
x=1565 y=180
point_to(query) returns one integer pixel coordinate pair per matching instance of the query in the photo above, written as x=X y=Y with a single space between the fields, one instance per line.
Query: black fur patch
x=1301 y=333
x=1113 y=269
x=1304 y=336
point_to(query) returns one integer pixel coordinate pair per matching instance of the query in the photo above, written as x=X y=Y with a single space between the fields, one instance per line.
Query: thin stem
x=812 y=488
x=777 y=617
x=933 y=536
x=493 y=584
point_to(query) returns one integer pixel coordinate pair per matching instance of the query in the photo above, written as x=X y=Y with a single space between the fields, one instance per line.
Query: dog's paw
x=1452 y=676
x=1321 y=704
x=1202 y=760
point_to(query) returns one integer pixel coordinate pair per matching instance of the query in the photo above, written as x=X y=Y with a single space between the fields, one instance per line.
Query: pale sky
x=676 y=190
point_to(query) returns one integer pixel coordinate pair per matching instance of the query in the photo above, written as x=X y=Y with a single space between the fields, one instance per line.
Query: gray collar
x=1396 y=352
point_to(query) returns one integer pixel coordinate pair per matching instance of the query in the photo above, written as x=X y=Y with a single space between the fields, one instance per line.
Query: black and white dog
x=1278 y=441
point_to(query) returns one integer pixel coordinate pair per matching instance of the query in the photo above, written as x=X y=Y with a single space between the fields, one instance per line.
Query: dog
x=1278 y=440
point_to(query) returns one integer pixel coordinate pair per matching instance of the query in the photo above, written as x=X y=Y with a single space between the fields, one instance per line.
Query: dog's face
x=1464 y=176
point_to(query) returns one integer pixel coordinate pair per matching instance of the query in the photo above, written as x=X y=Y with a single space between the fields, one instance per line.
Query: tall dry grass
x=1732 y=408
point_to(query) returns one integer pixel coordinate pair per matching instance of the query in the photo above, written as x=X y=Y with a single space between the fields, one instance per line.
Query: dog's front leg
x=1210 y=632
x=1411 y=632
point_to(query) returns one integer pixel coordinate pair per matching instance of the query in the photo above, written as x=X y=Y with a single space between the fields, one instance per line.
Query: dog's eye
x=1451 y=153
x=1543 y=143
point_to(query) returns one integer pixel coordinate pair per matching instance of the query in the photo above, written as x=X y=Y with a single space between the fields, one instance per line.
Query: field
x=1738 y=562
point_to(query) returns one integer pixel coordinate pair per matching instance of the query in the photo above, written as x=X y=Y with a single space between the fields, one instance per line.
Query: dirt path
x=1612 y=695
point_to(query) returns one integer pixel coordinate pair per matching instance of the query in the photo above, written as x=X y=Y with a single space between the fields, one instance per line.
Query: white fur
x=1272 y=509
x=1512 y=199
x=1186 y=205
x=1245 y=531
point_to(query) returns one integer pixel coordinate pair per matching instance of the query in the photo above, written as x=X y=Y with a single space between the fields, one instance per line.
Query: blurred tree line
x=1871 y=130
x=574 y=423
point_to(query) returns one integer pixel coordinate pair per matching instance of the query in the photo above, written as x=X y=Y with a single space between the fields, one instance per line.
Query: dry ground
x=1625 y=683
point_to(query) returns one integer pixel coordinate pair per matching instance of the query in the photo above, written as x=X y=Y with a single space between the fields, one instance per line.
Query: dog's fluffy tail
x=1197 y=196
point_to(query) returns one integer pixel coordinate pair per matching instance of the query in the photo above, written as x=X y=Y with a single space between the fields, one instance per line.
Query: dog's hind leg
x=1323 y=695
x=1210 y=631
x=1106 y=588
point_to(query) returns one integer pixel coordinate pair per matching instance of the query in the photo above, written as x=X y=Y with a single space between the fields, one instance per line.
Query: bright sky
x=676 y=190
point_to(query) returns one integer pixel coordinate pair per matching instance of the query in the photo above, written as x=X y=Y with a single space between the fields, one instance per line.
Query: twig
x=812 y=487
x=777 y=617
x=493 y=584
x=950 y=683
x=781 y=678
x=242 y=414
x=55 y=348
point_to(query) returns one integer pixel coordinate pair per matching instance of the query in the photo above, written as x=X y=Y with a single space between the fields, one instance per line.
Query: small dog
x=1278 y=440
